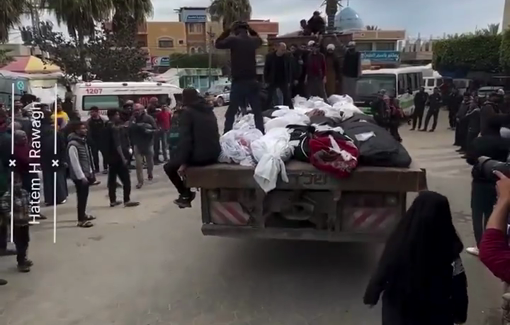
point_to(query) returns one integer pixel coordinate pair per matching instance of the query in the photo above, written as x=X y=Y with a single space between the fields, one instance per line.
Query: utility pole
x=211 y=47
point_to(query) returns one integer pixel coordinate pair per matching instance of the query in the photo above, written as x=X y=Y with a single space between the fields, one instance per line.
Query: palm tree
x=372 y=27
x=130 y=13
x=331 y=10
x=229 y=11
x=492 y=29
x=10 y=14
x=80 y=17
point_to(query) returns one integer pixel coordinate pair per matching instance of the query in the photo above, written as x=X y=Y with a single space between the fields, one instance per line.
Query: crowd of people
x=290 y=70
x=146 y=135
x=420 y=274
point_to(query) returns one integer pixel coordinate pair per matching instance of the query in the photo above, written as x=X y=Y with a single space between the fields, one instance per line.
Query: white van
x=402 y=82
x=107 y=95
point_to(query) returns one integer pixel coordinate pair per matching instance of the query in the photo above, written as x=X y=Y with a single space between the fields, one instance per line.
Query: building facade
x=166 y=38
x=195 y=24
x=416 y=51
x=506 y=15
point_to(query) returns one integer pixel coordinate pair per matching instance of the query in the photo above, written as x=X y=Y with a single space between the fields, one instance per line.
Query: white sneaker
x=473 y=251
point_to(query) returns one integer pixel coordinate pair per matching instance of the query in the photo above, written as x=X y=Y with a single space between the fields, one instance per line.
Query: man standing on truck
x=316 y=72
x=198 y=143
x=243 y=42
x=278 y=74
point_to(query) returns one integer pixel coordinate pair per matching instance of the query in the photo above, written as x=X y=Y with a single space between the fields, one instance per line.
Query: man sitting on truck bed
x=198 y=144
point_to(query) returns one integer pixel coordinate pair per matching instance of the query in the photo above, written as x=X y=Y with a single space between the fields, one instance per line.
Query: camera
x=487 y=166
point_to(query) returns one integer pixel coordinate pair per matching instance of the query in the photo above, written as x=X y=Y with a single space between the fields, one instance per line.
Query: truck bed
x=305 y=176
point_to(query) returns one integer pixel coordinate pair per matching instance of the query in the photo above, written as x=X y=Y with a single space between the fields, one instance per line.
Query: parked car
x=485 y=91
x=222 y=99
x=221 y=93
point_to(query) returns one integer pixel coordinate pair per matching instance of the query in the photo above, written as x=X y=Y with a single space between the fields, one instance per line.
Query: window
x=192 y=50
x=141 y=43
x=195 y=28
x=364 y=46
x=102 y=102
x=165 y=42
x=402 y=84
x=430 y=82
x=385 y=46
x=411 y=82
x=200 y=50
x=181 y=42
x=368 y=85
x=113 y=101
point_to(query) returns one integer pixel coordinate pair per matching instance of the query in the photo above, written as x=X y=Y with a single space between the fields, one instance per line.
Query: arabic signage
x=160 y=61
x=380 y=56
x=193 y=16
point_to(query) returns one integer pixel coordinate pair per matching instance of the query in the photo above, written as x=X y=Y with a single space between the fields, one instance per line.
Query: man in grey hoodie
x=80 y=170
x=142 y=127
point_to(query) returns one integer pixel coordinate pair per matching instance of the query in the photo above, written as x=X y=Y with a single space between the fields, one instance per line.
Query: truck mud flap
x=290 y=234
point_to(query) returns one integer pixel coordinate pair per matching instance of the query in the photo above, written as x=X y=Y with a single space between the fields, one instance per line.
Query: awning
x=30 y=64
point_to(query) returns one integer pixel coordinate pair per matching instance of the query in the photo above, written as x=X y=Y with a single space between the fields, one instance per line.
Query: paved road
x=150 y=265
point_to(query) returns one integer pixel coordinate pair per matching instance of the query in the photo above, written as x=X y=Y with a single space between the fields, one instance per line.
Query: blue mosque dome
x=348 y=19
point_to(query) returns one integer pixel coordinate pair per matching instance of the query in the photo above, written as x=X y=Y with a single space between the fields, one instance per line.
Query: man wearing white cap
x=351 y=69
x=333 y=70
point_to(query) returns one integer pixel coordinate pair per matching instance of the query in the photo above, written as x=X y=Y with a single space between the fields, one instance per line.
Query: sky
x=430 y=18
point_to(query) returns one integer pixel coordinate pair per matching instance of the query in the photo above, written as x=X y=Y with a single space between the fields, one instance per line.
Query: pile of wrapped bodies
x=288 y=134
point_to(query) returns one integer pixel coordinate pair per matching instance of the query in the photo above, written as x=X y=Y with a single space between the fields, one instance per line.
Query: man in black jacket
x=95 y=127
x=116 y=140
x=278 y=74
x=297 y=64
x=483 y=190
x=434 y=102
x=454 y=101
x=420 y=99
x=489 y=109
x=242 y=41
x=198 y=144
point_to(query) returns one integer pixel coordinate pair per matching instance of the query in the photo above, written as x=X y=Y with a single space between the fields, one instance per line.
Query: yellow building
x=166 y=38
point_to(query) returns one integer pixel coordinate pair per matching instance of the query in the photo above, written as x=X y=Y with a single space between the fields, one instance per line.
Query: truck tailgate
x=305 y=176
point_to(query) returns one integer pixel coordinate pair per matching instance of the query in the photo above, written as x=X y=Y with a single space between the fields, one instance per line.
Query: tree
x=372 y=27
x=229 y=11
x=5 y=58
x=504 y=54
x=10 y=14
x=492 y=29
x=129 y=14
x=464 y=53
x=115 y=56
x=331 y=10
x=106 y=56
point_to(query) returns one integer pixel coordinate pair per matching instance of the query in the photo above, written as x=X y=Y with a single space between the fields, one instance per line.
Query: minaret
x=506 y=16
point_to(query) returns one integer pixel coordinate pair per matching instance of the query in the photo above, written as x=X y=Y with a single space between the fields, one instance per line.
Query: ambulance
x=108 y=95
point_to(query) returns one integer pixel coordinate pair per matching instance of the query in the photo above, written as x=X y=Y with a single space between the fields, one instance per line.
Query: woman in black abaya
x=420 y=273
x=47 y=154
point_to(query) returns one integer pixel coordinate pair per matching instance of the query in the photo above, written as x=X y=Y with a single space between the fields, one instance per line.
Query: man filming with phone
x=242 y=41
